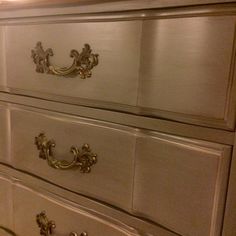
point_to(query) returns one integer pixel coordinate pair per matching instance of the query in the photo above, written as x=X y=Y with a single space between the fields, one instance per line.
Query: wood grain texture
x=111 y=178
x=181 y=183
x=114 y=79
x=67 y=216
x=185 y=65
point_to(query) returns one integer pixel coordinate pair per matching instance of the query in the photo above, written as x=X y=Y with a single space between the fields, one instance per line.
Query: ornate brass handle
x=47 y=226
x=82 y=64
x=83 y=159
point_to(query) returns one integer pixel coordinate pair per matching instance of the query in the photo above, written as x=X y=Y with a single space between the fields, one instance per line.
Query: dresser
x=117 y=118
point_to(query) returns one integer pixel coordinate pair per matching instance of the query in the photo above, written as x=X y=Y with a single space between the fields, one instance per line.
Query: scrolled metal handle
x=82 y=64
x=47 y=226
x=83 y=159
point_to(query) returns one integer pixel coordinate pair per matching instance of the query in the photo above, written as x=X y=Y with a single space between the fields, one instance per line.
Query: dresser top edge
x=107 y=10
x=113 y=4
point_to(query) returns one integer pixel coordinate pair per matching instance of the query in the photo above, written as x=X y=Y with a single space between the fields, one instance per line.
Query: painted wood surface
x=114 y=79
x=179 y=69
x=6 y=203
x=181 y=183
x=110 y=179
x=106 y=212
x=68 y=218
x=185 y=65
x=114 y=4
x=4 y=133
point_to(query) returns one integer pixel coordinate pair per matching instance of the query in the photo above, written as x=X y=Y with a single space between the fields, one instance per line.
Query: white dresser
x=117 y=118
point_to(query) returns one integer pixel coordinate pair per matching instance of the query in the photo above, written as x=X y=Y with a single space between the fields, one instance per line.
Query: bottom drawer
x=60 y=217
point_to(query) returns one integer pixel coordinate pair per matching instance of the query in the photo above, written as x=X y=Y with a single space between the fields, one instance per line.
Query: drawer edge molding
x=83 y=159
x=77 y=14
x=9 y=232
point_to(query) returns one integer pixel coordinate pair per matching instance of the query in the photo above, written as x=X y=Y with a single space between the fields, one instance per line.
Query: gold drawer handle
x=47 y=226
x=82 y=64
x=83 y=159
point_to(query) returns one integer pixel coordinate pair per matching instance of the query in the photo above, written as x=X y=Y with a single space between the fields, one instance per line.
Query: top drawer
x=114 y=79
x=180 y=69
x=185 y=65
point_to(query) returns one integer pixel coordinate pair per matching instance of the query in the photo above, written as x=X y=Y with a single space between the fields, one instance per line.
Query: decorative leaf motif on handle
x=83 y=159
x=82 y=64
x=47 y=226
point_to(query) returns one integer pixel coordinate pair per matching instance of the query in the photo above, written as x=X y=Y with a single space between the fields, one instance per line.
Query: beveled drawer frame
x=226 y=9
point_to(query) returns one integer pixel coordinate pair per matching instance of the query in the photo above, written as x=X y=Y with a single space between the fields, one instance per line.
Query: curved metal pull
x=47 y=226
x=82 y=64
x=83 y=159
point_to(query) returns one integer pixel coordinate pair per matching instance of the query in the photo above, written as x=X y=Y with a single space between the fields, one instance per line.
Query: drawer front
x=181 y=183
x=116 y=43
x=179 y=68
x=67 y=218
x=6 y=205
x=4 y=131
x=111 y=177
x=185 y=66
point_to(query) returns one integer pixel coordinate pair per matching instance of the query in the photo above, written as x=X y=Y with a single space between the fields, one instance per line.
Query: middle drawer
x=110 y=178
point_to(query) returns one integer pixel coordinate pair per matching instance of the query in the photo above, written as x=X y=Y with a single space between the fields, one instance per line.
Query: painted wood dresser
x=117 y=118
